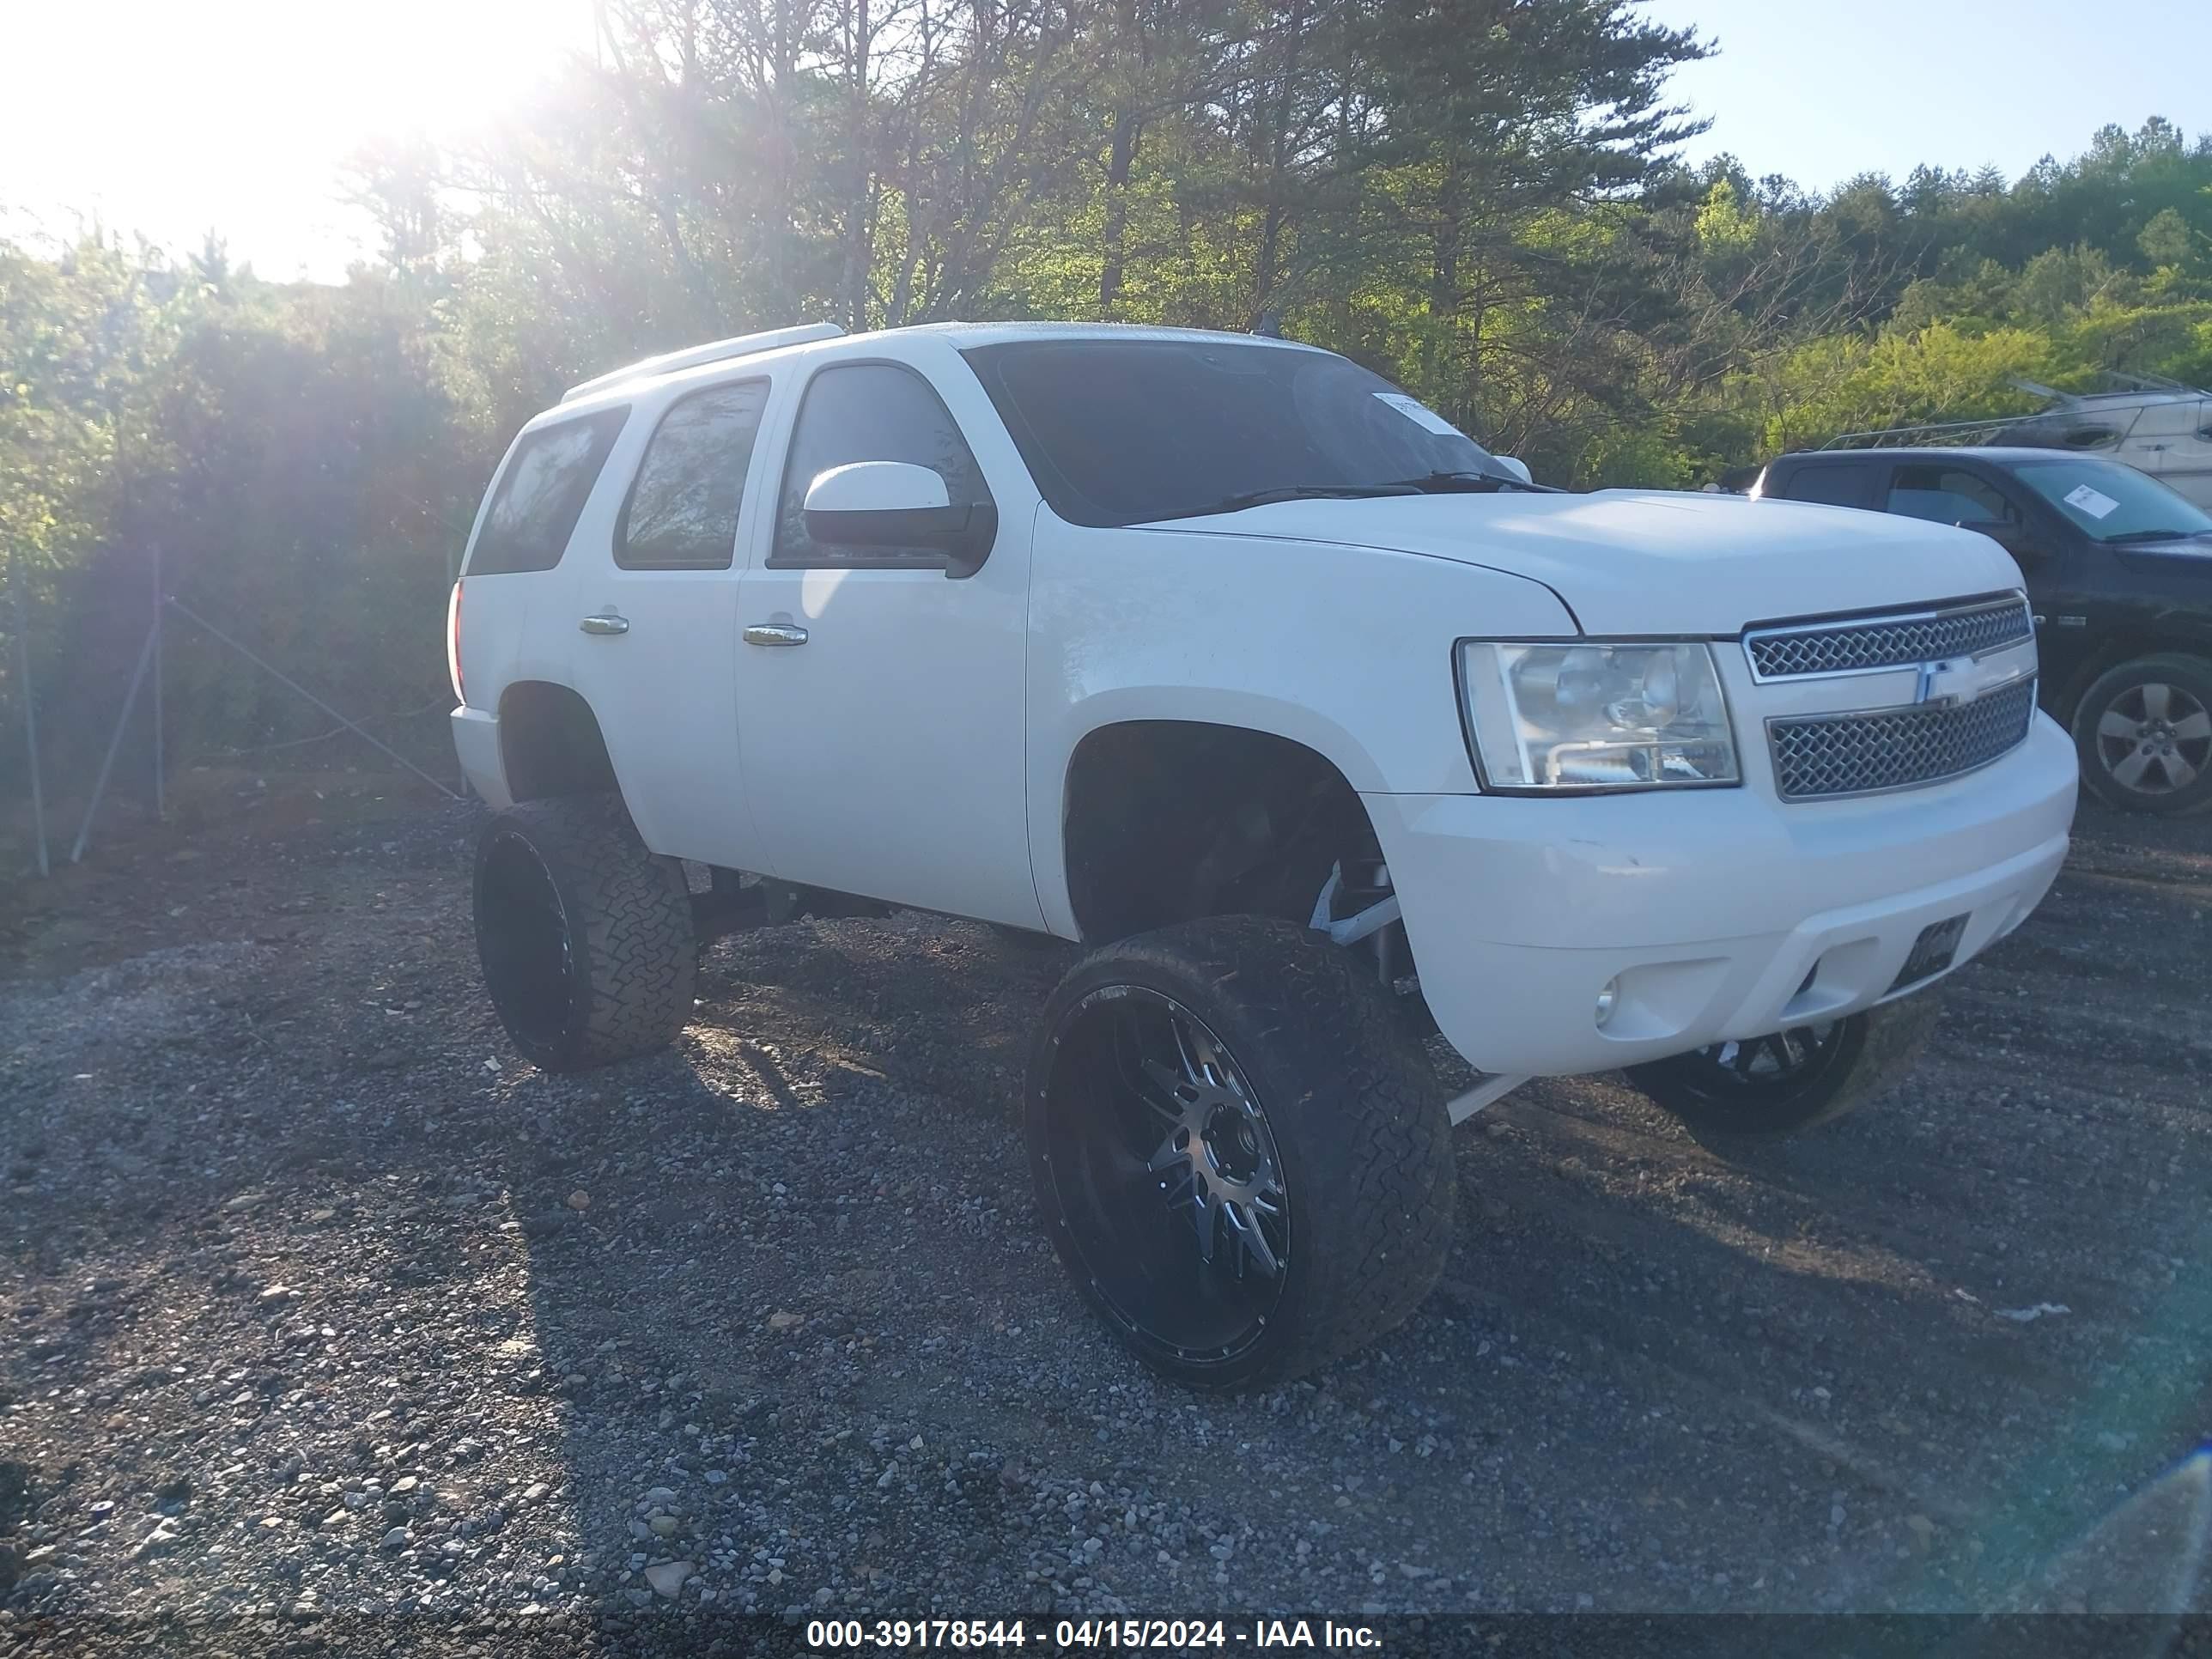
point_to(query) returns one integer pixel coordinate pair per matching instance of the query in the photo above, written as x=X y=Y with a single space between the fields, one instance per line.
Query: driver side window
x=1943 y=494
x=870 y=412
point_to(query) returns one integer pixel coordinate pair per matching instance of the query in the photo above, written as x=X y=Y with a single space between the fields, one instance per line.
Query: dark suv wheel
x=2144 y=731
x=1241 y=1156
x=585 y=938
x=1795 y=1079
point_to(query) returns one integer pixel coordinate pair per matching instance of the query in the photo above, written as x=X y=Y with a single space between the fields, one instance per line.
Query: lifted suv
x=1317 y=726
x=2119 y=571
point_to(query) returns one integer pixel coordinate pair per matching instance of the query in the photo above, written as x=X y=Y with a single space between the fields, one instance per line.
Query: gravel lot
x=320 y=1302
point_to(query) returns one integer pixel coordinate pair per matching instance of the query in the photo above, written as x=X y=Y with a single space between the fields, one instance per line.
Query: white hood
x=1647 y=562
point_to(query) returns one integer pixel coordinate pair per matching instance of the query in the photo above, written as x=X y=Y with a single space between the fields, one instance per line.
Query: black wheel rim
x=1169 y=1180
x=522 y=933
x=1764 y=1069
x=2154 y=738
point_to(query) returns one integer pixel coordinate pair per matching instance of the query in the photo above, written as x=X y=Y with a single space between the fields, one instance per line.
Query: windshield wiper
x=2149 y=536
x=1294 y=493
x=1471 y=484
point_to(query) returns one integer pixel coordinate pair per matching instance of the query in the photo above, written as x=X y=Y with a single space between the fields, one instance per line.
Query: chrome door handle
x=607 y=623
x=774 y=633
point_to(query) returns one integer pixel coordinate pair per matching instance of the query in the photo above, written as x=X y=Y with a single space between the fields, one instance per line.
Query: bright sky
x=170 y=118
x=1822 y=92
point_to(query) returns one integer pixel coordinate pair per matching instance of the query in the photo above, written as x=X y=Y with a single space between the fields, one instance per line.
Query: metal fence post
x=114 y=742
x=30 y=725
x=161 y=804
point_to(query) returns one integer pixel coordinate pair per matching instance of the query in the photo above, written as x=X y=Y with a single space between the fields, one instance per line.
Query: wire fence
x=145 y=685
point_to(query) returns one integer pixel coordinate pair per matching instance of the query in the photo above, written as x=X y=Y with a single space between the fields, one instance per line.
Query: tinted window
x=682 y=513
x=1121 y=432
x=2113 y=503
x=870 y=412
x=542 y=494
x=1945 y=495
x=1828 y=486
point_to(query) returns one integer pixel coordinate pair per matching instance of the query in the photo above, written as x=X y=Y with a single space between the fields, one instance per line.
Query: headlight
x=1576 y=716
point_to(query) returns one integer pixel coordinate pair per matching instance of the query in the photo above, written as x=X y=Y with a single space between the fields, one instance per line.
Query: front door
x=881 y=700
x=656 y=627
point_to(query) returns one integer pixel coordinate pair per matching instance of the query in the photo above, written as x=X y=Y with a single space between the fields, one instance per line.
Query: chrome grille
x=1889 y=641
x=1857 y=754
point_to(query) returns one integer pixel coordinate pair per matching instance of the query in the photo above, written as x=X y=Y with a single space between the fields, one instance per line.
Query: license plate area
x=1931 y=952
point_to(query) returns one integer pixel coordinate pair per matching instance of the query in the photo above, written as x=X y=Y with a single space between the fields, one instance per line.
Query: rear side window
x=1828 y=486
x=682 y=513
x=542 y=494
x=870 y=412
x=1943 y=494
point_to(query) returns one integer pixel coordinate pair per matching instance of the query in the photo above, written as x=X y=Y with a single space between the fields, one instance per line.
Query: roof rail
x=741 y=345
x=1939 y=432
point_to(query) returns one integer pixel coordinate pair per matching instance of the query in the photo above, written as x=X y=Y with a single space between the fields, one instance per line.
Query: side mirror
x=896 y=505
x=1518 y=468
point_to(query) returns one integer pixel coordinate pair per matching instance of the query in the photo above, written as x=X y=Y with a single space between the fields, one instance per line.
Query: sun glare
x=241 y=113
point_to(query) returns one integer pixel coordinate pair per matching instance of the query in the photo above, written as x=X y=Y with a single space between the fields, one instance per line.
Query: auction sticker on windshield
x=1420 y=414
x=2091 y=500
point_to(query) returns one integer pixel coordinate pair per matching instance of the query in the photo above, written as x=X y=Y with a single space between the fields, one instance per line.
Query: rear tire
x=1242 y=1158
x=2144 y=734
x=1795 y=1081
x=585 y=938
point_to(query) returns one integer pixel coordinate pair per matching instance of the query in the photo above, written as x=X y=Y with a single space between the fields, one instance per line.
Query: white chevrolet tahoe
x=1319 y=727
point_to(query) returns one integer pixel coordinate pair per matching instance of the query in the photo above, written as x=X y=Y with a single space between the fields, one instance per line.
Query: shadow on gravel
x=764 y=1324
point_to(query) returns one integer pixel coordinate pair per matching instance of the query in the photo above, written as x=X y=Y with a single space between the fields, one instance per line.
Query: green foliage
x=1477 y=200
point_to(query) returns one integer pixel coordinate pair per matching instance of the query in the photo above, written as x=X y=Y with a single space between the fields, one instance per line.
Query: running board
x=1485 y=1093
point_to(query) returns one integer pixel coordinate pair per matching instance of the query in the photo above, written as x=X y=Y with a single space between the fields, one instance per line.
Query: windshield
x=1119 y=432
x=2113 y=503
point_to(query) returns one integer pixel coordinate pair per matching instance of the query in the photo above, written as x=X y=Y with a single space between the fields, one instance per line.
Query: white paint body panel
x=1632 y=562
x=917 y=747
x=1520 y=911
x=682 y=776
x=885 y=755
x=875 y=487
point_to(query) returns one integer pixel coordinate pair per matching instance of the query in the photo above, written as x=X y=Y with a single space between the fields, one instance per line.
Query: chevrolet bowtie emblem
x=1962 y=680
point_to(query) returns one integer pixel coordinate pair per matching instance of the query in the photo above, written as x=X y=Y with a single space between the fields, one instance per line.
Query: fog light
x=1606 y=999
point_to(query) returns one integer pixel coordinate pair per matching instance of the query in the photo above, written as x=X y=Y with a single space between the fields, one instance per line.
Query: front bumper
x=1721 y=913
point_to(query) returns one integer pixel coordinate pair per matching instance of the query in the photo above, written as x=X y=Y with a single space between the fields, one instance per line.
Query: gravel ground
x=320 y=1303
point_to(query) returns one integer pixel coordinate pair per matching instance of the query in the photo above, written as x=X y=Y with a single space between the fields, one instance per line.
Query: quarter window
x=542 y=495
x=1829 y=486
x=682 y=513
x=1942 y=495
x=870 y=412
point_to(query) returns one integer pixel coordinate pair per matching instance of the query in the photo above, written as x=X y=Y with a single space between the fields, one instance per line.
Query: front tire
x=2144 y=734
x=1795 y=1080
x=585 y=938
x=1242 y=1158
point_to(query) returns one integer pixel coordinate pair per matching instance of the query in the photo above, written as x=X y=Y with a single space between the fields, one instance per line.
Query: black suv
x=2118 y=569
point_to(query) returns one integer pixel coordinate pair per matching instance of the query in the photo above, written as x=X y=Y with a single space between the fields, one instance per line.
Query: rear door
x=516 y=573
x=883 y=700
x=653 y=630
